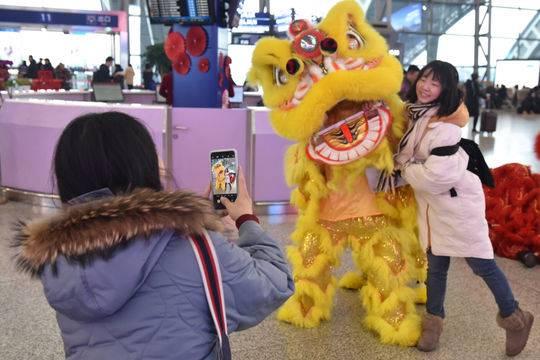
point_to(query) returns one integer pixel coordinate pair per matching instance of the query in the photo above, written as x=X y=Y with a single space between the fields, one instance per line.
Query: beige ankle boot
x=431 y=331
x=517 y=326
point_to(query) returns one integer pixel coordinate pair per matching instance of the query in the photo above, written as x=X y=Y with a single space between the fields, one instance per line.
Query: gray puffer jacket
x=125 y=283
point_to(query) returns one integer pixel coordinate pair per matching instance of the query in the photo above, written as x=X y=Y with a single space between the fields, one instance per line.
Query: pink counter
x=184 y=137
x=29 y=130
x=135 y=96
x=196 y=132
x=268 y=152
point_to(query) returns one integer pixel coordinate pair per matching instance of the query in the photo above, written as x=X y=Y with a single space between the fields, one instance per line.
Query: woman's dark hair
x=105 y=150
x=447 y=75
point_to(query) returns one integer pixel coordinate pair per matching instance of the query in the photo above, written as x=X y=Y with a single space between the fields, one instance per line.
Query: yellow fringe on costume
x=352 y=280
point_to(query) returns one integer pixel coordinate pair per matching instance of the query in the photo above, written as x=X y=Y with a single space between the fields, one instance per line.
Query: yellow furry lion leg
x=401 y=207
x=388 y=301
x=312 y=261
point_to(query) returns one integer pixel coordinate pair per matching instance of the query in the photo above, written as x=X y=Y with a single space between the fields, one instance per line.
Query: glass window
x=524 y=4
x=135 y=35
x=510 y=22
x=135 y=62
x=135 y=10
x=457 y=50
x=81 y=49
x=56 y=4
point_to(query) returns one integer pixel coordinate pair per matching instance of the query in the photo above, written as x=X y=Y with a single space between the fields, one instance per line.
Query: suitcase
x=488 y=121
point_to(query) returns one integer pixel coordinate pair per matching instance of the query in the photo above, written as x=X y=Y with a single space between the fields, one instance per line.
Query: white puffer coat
x=452 y=226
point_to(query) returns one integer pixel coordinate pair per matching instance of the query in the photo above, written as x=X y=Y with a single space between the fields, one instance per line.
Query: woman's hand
x=243 y=204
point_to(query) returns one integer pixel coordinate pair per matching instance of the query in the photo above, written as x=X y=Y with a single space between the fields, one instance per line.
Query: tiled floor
x=28 y=328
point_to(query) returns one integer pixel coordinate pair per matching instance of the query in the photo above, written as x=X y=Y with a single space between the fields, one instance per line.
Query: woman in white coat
x=451 y=204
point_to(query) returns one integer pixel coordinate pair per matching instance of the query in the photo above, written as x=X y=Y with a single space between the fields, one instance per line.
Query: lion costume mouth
x=352 y=130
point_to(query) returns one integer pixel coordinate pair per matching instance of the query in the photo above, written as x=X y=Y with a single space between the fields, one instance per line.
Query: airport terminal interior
x=199 y=78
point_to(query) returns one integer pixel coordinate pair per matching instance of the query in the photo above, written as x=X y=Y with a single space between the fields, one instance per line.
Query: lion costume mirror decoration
x=332 y=89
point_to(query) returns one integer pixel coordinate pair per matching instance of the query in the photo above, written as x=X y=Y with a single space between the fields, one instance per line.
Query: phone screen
x=223 y=166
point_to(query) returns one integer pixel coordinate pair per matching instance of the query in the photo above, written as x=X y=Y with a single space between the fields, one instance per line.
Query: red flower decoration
x=197 y=41
x=204 y=65
x=174 y=46
x=183 y=64
x=513 y=211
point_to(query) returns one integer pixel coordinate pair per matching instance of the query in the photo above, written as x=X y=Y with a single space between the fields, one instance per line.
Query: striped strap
x=211 y=275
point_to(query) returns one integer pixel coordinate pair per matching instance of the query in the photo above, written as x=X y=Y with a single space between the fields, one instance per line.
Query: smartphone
x=224 y=171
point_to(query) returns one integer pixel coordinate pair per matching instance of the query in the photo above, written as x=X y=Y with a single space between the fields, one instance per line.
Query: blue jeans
x=487 y=269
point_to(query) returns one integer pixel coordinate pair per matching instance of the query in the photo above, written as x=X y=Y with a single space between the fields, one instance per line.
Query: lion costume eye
x=354 y=39
x=280 y=77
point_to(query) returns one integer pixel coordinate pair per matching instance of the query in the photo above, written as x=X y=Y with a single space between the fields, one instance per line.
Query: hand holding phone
x=223 y=169
x=243 y=204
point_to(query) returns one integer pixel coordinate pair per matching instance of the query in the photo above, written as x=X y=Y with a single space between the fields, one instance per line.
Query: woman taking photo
x=118 y=262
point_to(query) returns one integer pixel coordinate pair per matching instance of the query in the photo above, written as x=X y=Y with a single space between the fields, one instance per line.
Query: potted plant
x=155 y=55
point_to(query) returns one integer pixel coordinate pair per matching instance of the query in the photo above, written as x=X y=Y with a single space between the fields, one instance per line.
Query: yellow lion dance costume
x=332 y=89
x=219 y=173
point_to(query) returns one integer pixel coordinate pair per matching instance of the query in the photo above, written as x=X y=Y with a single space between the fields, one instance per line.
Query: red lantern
x=174 y=46
x=183 y=64
x=204 y=65
x=197 y=41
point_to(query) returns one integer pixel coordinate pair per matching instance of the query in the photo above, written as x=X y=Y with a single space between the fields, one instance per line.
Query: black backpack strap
x=213 y=287
x=445 y=150
x=477 y=164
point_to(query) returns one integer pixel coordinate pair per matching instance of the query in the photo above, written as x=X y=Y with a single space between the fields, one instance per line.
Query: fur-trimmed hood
x=98 y=227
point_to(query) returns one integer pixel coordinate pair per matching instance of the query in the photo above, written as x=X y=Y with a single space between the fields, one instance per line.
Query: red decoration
x=297 y=26
x=197 y=41
x=307 y=43
x=513 y=210
x=175 y=45
x=183 y=64
x=204 y=65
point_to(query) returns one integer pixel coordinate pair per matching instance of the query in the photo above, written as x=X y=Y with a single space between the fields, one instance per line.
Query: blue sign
x=58 y=18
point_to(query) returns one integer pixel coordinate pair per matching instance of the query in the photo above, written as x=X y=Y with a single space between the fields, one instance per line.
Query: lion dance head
x=332 y=86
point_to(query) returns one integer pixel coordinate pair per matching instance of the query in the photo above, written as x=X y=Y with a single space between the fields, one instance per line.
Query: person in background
x=166 y=87
x=40 y=64
x=32 y=68
x=118 y=75
x=4 y=75
x=472 y=98
x=23 y=69
x=148 y=77
x=102 y=75
x=408 y=80
x=129 y=75
x=62 y=73
x=515 y=97
x=47 y=65
x=502 y=96
x=109 y=61
x=121 y=271
x=451 y=205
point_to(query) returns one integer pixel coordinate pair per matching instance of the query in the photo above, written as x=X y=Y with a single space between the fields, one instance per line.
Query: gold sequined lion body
x=332 y=89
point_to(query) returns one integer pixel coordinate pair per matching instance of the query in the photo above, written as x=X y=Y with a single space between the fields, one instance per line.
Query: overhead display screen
x=180 y=12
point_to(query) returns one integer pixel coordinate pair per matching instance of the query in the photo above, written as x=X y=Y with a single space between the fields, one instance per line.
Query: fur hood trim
x=94 y=228
x=460 y=117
